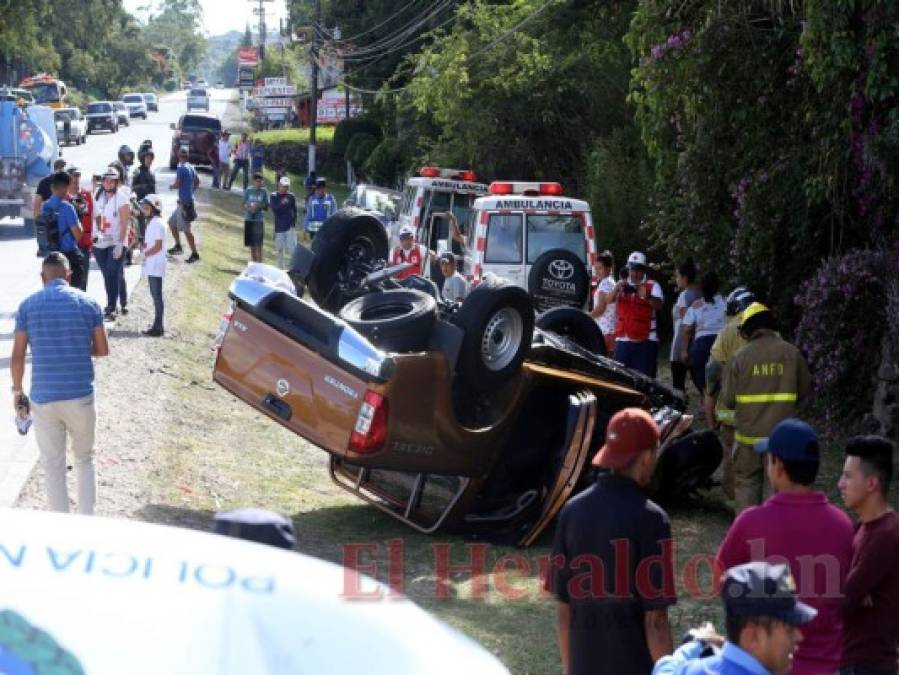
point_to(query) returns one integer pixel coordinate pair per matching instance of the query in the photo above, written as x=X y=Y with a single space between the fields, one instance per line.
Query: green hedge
x=289 y=148
x=347 y=129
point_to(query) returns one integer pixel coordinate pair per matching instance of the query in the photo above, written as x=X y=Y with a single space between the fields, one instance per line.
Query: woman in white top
x=704 y=320
x=113 y=215
x=154 y=259
x=688 y=292
x=604 y=311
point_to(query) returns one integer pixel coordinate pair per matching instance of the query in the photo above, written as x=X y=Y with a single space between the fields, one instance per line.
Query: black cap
x=320 y=182
x=264 y=527
x=759 y=589
x=446 y=256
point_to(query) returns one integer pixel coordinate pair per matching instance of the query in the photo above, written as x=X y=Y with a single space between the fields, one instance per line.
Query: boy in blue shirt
x=186 y=182
x=320 y=206
x=60 y=216
x=284 y=207
x=255 y=203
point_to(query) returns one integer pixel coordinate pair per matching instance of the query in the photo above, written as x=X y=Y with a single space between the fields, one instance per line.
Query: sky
x=220 y=16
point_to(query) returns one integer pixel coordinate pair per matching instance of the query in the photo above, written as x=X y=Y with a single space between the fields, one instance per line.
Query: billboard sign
x=246 y=77
x=248 y=56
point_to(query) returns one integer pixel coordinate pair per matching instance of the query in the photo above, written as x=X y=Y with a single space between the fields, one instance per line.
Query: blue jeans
x=240 y=165
x=155 y=284
x=642 y=356
x=699 y=357
x=113 y=272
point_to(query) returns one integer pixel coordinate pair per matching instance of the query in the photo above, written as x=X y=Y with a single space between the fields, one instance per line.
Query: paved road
x=20 y=268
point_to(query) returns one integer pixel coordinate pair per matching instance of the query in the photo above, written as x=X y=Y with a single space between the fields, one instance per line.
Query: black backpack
x=49 y=223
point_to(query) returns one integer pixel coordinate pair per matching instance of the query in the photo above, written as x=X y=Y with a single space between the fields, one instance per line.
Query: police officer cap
x=320 y=182
x=760 y=589
x=264 y=527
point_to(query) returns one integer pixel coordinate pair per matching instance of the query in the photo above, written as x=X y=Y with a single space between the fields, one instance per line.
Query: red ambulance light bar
x=528 y=189
x=452 y=174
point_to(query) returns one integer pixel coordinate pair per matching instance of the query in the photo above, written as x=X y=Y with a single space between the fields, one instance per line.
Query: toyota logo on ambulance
x=561 y=270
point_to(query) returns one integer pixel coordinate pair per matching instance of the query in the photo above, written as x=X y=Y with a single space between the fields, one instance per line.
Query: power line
x=385 y=21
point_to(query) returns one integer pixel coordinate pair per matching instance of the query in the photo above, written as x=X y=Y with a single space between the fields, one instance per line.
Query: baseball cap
x=153 y=200
x=630 y=432
x=285 y=181
x=259 y=525
x=407 y=231
x=320 y=182
x=792 y=440
x=111 y=173
x=759 y=589
x=447 y=256
x=636 y=259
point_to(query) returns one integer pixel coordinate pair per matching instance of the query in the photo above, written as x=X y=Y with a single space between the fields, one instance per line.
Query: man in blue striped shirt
x=64 y=327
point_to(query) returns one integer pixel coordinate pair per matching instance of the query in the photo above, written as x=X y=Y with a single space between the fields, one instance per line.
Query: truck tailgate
x=289 y=382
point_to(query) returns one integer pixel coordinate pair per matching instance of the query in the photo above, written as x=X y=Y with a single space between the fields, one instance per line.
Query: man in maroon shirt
x=871 y=596
x=800 y=527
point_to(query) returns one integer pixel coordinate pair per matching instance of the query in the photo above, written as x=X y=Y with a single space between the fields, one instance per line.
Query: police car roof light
x=429 y=172
x=551 y=189
x=502 y=188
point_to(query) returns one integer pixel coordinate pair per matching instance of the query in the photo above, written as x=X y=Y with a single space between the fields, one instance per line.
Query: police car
x=436 y=191
x=533 y=235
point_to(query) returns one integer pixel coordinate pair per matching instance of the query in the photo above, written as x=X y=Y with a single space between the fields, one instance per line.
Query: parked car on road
x=16 y=94
x=121 y=111
x=197 y=133
x=102 y=115
x=382 y=203
x=198 y=99
x=152 y=102
x=71 y=126
x=468 y=416
x=136 y=105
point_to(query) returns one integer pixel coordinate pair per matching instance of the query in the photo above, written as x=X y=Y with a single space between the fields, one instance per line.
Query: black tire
x=558 y=278
x=397 y=320
x=498 y=320
x=346 y=248
x=576 y=325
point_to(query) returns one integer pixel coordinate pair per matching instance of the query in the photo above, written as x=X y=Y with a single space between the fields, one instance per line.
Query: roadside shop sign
x=248 y=56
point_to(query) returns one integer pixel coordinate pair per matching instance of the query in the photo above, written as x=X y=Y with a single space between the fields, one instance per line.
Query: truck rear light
x=501 y=188
x=224 y=324
x=429 y=172
x=370 y=430
x=551 y=188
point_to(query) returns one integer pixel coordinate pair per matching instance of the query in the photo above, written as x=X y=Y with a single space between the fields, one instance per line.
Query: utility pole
x=260 y=12
x=313 y=112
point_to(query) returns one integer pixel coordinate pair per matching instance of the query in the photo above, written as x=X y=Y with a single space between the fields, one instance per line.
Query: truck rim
x=501 y=339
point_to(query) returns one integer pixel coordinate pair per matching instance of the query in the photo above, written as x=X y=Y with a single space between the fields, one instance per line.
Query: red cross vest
x=635 y=314
x=416 y=255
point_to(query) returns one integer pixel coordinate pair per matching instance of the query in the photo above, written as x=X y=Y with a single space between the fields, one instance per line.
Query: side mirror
x=172 y=125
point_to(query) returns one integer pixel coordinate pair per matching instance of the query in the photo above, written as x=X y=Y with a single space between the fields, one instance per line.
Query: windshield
x=200 y=122
x=45 y=93
x=197 y=92
x=149 y=98
x=547 y=232
x=64 y=115
x=99 y=108
x=133 y=98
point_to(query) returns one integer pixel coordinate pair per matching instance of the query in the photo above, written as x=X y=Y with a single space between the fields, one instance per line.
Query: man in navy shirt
x=60 y=215
x=284 y=207
x=186 y=182
x=64 y=328
x=612 y=568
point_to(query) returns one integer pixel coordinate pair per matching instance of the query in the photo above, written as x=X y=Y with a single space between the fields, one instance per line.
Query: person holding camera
x=83 y=201
x=638 y=299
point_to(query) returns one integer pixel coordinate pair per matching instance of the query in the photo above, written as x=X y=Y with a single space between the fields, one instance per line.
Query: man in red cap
x=612 y=569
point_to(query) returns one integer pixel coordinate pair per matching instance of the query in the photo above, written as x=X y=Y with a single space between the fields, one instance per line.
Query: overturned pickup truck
x=464 y=416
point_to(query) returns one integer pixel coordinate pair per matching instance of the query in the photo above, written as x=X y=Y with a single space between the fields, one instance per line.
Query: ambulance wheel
x=498 y=321
x=558 y=278
x=397 y=320
x=346 y=249
x=576 y=325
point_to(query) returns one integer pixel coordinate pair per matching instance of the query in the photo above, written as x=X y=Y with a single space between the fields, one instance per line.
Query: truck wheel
x=397 y=320
x=346 y=248
x=558 y=278
x=576 y=325
x=498 y=321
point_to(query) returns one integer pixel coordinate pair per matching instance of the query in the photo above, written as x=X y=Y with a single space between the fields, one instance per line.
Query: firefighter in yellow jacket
x=763 y=384
x=725 y=346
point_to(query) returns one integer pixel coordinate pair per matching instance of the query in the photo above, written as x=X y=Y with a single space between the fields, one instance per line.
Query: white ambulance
x=436 y=191
x=536 y=237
